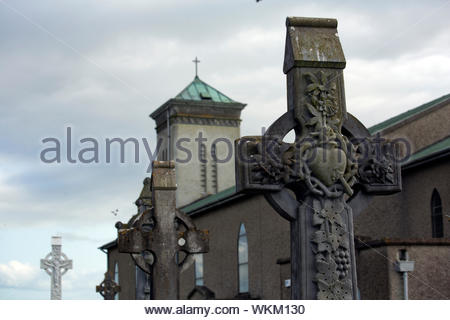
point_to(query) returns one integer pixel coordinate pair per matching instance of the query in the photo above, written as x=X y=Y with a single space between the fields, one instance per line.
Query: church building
x=249 y=247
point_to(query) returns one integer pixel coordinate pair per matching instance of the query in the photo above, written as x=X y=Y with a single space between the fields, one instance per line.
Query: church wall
x=418 y=188
x=285 y=274
x=372 y=274
x=408 y=214
x=127 y=273
x=162 y=154
x=430 y=127
x=268 y=239
x=382 y=218
x=430 y=278
x=378 y=278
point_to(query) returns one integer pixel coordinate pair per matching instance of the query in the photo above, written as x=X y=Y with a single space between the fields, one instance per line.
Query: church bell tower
x=197 y=130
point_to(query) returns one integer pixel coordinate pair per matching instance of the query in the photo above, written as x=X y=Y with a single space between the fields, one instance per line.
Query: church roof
x=108 y=245
x=203 y=202
x=199 y=90
x=199 y=94
x=408 y=114
x=434 y=150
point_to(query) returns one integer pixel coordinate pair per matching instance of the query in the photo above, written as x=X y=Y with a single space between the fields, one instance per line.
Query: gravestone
x=162 y=239
x=56 y=264
x=334 y=165
x=108 y=288
x=143 y=279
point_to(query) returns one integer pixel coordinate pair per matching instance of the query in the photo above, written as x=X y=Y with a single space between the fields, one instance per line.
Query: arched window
x=243 y=259
x=198 y=266
x=437 y=223
x=116 y=278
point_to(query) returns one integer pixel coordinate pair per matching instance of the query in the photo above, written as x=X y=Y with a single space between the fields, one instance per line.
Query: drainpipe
x=168 y=134
x=403 y=266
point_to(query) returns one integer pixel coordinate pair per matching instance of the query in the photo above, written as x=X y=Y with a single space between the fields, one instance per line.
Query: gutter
x=217 y=203
x=427 y=159
x=104 y=248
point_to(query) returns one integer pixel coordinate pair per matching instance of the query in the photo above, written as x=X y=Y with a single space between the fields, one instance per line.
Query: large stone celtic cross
x=332 y=167
x=160 y=238
x=56 y=264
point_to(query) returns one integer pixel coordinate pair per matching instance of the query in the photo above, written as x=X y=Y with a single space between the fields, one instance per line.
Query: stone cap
x=311 y=22
x=312 y=42
x=163 y=175
x=164 y=164
x=56 y=241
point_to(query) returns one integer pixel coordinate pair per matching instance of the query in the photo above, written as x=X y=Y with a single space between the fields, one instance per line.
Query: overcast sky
x=101 y=67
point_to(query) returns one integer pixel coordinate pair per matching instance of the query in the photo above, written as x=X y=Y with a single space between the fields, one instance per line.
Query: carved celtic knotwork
x=108 y=288
x=310 y=181
x=321 y=157
x=325 y=165
x=56 y=264
x=137 y=237
x=379 y=169
x=323 y=150
x=160 y=238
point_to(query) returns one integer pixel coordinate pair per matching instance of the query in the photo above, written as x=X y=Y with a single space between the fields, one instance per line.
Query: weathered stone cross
x=108 y=288
x=56 y=264
x=161 y=238
x=332 y=167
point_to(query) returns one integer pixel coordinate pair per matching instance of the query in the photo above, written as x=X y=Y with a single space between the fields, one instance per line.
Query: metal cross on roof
x=56 y=264
x=196 y=61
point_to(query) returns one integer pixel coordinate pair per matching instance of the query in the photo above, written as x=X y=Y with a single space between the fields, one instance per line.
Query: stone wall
x=372 y=270
x=268 y=239
x=408 y=214
x=378 y=278
x=127 y=273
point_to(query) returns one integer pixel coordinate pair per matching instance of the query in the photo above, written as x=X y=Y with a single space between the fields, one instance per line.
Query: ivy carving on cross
x=334 y=164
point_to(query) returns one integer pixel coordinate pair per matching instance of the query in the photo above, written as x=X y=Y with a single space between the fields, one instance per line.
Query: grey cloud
x=131 y=57
x=45 y=86
x=71 y=236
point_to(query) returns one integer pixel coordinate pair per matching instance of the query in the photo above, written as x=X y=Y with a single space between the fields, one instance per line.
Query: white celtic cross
x=56 y=264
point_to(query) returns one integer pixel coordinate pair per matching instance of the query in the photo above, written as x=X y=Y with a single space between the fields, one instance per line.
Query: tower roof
x=199 y=100
x=199 y=90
